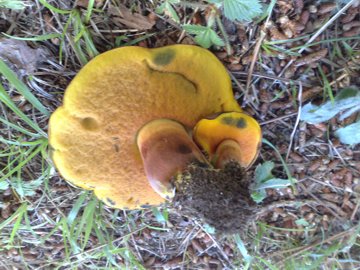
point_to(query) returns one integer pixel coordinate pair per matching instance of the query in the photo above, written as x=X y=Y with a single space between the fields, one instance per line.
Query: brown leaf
x=304 y=17
x=311 y=93
x=350 y=25
x=326 y=7
x=85 y=3
x=276 y=34
x=352 y=33
x=295 y=26
x=19 y=55
x=314 y=165
x=197 y=246
x=350 y=15
x=6 y=210
x=311 y=58
x=298 y=6
x=130 y=19
x=150 y=262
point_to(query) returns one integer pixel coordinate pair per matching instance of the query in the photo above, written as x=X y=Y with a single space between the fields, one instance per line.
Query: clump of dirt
x=221 y=198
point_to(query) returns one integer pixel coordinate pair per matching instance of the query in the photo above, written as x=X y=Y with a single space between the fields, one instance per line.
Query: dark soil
x=221 y=198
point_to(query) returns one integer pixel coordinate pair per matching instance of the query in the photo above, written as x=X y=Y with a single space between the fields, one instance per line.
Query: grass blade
x=18 y=128
x=76 y=208
x=288 y=173
x=21 y=88
x=4 y=98
x=36 y=38
x=54 y=9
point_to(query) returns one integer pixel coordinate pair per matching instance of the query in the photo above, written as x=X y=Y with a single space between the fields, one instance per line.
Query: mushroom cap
x=93 y=134
x=227 y=127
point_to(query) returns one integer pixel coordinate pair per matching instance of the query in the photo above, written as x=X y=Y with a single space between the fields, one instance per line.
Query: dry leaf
x=352 y=33
x=298 y=6
x=85 y=3
x=311 y=58
x=304 y=17
x=350 y=25
x=130 y=19
x=276 y=34
x=19 y=56
x=350 y=15
x=327 y=7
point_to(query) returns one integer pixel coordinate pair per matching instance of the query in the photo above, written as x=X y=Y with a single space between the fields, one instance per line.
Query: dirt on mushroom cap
x=93 y=133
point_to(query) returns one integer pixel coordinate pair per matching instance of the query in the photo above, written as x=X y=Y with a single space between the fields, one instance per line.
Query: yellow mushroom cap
x=219 y=134
x=93 y=135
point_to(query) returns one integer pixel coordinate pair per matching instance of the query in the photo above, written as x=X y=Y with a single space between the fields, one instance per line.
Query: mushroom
x=231 y=136
x=124 y=125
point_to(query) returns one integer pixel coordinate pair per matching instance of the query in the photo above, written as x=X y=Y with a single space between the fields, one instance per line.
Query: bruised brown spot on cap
x=230 y=121
x=184 y=149
x=117 y=148
x=110 y=201
x=145 y=206
x=165 y=57
x=241 y=123
x=89 y=123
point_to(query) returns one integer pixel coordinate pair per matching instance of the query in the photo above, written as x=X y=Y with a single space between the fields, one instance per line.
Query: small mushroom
x=231 y=136
x=108 y=137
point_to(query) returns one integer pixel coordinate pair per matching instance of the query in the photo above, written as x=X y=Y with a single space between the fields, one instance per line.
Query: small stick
x=296 y=122
x=277 y=119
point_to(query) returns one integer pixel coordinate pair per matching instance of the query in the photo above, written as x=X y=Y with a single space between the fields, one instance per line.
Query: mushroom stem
x=228 y=150
x=166 y=150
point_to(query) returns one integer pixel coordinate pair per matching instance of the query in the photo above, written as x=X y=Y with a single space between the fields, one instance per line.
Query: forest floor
x=297 y=52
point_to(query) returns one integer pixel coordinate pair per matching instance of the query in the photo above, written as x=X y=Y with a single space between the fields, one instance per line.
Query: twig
x=337 y=152
x=277 y=119
x=224 y=34
x=140 y=258
x=253 y=61
x=183 y=33
x=217 y=245
x=256 y=51
x=318 y=33
x=327 y=205
x=355 y=209
x=339 y=79
x=271 y=77
x=235 y=80
x=296 y=122
x=121 y=31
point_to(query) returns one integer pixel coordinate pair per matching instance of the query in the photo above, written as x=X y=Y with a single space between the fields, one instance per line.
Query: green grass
x=76 y=226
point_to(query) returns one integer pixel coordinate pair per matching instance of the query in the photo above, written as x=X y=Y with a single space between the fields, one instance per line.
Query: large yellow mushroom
x=125 y=129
